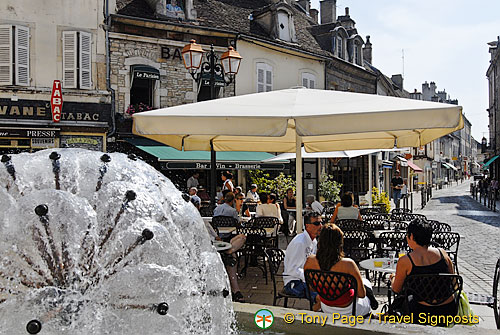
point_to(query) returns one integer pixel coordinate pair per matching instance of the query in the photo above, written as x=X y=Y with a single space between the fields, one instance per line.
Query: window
x=357 y=53
x=308 y=80
x=77 y=60
x=340 y=47
x=264 y=77
x=14 y=55
x=284 y=26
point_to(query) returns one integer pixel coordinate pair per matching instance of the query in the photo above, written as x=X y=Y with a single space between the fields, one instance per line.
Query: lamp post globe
x=192 y=55
x=231 y=60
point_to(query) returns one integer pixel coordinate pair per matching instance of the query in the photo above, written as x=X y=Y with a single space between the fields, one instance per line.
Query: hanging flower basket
x=137 y=108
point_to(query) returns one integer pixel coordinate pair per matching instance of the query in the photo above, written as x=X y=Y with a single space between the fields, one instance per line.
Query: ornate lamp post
x=212 y=74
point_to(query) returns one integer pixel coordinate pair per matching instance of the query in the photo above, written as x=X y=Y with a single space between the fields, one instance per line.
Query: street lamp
x=212 y=74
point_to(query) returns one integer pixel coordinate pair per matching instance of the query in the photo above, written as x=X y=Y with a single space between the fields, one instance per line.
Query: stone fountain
x=95 y=243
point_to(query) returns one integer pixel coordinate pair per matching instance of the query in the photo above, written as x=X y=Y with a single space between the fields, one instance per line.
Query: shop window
x=264 y=77
x=77 y=60
x=144 y=80
x=204 y=93
x=14 y=55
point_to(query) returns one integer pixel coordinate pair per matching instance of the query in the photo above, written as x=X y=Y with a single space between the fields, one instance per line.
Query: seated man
x=227 y=209
x=302 y=246
x=194 y=198
x=313 y=204
x=252 y=194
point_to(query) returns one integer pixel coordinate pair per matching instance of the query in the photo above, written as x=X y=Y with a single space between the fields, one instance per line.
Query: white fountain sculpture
x=94 y=243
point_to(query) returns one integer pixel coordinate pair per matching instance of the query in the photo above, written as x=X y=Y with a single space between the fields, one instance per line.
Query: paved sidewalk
x=479 y=230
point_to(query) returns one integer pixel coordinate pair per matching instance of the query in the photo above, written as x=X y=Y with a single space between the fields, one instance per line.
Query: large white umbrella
x=283 y=121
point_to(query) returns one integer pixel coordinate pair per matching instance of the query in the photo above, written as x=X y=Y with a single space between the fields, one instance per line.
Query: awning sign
x=56 y=101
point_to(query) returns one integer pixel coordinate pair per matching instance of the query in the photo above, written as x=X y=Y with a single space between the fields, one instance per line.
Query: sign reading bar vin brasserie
x=221 y=166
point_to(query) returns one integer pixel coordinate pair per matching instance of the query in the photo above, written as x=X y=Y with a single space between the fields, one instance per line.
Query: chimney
x=306 y=4
x=314 y=13
x=398 y=80
x=433 y=87
x=347 y=11
x=328 y=11
x=367 y=50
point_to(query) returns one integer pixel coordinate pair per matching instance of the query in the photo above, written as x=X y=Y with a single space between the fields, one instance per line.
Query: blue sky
x=444 y=41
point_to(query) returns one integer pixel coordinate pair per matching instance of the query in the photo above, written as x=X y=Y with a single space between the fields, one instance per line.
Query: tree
x=329 y=188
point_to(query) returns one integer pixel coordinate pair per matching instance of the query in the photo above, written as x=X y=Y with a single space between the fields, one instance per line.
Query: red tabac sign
x=56 y=101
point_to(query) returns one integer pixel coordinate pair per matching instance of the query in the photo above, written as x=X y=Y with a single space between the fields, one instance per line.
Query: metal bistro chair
x=404 y=216
x=357 y=245
x=254 y=248
x=391 y=242
x=378 y=225
x=398 y=225
x=350 y=224
x=224 y=221
x=490 y=301
x=206 y=211
x=449 y=241
x=400 y=211
x=377 y=216
x=328 y=211
x=433 y=289
x=370 y=210
x=275 y=257
x=439 y=226
x=331 y=285
x=267 y=222
x=252 y=206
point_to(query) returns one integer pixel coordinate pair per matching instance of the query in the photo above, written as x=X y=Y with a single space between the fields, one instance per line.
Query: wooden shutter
x=69 y=59
x=6 y=54
x=85 y=60
x=269 y=78
x=260 y=77
x=22 y=56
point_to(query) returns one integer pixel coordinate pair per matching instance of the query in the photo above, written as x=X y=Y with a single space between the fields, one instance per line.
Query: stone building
x=38 y=45
x=493 y=75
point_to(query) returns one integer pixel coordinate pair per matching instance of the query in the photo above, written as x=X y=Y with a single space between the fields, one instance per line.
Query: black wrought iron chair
x=491 y=301
x=433 y=289
x=350 y=224
x=377 y=216
x=328 y=211
x=400 y=211
x=267 y=222
x=206 y=211
x=254 y=249
x=370 y=210
x=252 y=206
x=274 y=258
x=398 y=225
x=331 y=285
x=357 y=245
x=449 y=241
x=224 y=221
x=377 y=225
x=402 y=217
x=391 y=242
x=439 y=226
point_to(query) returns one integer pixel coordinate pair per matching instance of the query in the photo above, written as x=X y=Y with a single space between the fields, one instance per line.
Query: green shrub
x=382 y=199
x=329 y=189
x=277 y=185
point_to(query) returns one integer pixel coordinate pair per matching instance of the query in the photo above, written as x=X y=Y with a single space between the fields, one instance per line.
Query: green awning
x=487 y=164
x=446 y=165
x=449 y=166
x=175 y=159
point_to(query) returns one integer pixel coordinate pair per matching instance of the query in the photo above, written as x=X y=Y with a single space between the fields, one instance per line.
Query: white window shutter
x=6 y=54
x=22 y=56
x=260 y=80
x=269 y=79
x=69 y=59
x=85 y=61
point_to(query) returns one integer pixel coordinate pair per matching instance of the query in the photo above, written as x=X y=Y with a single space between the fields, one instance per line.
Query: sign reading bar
x=221 y=166
x=56 y=101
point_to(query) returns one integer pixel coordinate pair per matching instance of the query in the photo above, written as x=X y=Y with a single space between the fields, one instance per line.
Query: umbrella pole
x=298 y=179
x=370 y=180
x=213 y=175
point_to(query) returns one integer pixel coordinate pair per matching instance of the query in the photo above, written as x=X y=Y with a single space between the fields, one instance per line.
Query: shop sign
x=454 y=158
x=43 y=142
x=34 y=133
x=82 y=141
x=146 y=75
x=39 y=110
x=221 y=166
x=56 y=101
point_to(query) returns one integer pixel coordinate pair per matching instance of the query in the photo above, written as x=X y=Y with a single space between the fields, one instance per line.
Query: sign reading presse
x=56 y=101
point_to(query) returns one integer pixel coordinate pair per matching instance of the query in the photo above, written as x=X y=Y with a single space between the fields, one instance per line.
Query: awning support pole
x=213 y=175
x=298 y=179
x=370 y=180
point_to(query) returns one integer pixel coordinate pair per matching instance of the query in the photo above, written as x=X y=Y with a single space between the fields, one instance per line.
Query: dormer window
x=175 y=9
x=286 y=31
x=277 y=21
x=340 y=47
x=357 y=53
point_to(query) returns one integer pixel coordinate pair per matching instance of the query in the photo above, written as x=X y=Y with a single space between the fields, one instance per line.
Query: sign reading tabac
x=56 y=101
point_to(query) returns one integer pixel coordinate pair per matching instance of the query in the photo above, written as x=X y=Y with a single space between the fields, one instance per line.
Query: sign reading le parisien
x=56 y=101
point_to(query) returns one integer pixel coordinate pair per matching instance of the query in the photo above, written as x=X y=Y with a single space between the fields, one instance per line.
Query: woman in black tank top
x=423 y=260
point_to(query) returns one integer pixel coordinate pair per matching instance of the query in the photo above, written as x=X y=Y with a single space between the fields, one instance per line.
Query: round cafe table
x=369 y=264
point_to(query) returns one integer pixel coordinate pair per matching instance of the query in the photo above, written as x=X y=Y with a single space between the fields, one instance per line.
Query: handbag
x=464 y=309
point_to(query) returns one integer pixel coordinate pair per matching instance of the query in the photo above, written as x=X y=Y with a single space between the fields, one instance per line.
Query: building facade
x=493 y=75
x=66 y=43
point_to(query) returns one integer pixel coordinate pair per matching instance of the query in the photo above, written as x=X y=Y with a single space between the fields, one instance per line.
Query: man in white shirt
x=252 y=194
x=302 y=246
x=193 y=181
x=314 y=204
